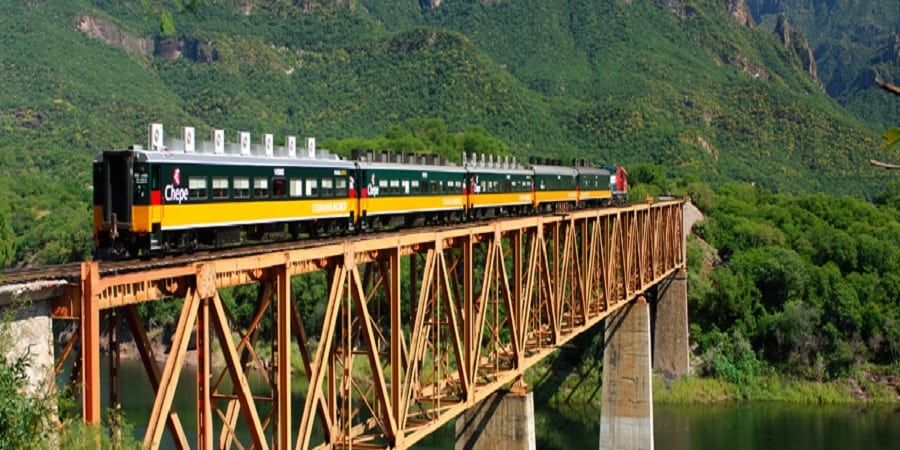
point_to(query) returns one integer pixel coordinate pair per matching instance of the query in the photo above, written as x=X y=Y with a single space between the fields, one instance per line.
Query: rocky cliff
x=797 y=43
x=198 y=50
x=113 y=35
x=740 y=11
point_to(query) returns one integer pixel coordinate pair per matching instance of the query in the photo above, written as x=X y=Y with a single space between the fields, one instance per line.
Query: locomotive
x=179 y=195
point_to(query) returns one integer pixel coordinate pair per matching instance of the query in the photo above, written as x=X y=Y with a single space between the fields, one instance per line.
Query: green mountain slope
x=852 y=41
x=627 y=82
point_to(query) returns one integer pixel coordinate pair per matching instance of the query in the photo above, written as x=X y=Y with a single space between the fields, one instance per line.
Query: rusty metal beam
x=162 y=404
x=90 y=343
x=283 y=359
x=485 y=302
x=145 y=350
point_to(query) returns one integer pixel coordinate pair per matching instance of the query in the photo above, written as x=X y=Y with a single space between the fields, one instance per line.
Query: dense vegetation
x=852 y=41
x=35 y=418
x=782 y=279
x=627 y=82
x=792 y=298
x=807 y=284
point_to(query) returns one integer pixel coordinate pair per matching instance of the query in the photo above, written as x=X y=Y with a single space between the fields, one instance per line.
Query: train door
x=366 y=188
x=156 y=208
x=117 y=181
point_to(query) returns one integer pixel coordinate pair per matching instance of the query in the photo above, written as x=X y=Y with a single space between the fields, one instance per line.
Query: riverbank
x=879 y=385
x=574 y=376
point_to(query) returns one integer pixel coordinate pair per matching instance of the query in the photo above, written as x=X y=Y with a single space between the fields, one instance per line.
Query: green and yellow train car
x=148 y=201
x=397 y=194
x=595 y=186
x=170 y=197
x=555 y=187
x=498 y=189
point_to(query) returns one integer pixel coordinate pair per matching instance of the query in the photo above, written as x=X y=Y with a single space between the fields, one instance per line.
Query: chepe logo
x=173 y=192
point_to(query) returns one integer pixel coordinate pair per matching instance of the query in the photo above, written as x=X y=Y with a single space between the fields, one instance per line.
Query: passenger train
x=180 y=195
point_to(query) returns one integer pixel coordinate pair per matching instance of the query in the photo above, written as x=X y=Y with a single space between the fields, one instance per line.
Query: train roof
x=540 y=169
x=498 y=168
x=414 y=167
x=229 y=159
x=594 y=171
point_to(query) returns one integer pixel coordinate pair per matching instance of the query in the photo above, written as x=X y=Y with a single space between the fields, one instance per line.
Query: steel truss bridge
x=392 y=363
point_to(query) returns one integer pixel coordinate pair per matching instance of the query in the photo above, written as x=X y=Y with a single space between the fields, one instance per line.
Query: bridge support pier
x=502 y=420
x=626 y=412
x=671 y=352
x=30 y=330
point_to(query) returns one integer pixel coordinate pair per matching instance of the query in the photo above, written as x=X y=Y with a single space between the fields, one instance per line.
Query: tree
x=6 y=243
x=892 y=136
x=158 y=8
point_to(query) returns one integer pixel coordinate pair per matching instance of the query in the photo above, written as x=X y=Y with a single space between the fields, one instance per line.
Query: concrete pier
x=626 y=413
x=671 y=350
x=29 y=327
x=504 y=420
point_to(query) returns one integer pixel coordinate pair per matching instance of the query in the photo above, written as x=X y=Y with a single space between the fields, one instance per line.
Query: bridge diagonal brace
x=248 y=341
x=323 y=353
x=365 y=322
x=232 y=361
x=162 y=405
x=145 y=350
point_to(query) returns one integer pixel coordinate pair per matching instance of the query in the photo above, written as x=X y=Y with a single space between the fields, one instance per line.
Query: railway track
x=71 y=272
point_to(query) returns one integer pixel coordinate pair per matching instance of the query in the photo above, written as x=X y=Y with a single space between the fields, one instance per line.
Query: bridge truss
x=393 y=360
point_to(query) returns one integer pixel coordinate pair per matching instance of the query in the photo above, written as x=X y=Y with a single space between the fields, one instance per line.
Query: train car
x=618 y=183
x=497 y=188
x=407 y=190
x=594 y=187
x=177 y=197
x=555 y=186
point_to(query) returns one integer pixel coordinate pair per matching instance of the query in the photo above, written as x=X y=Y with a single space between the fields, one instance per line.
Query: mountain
x=695 y=87
x=852 y=40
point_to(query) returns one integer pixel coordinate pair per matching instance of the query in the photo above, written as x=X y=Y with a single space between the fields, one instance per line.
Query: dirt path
x=692 y=215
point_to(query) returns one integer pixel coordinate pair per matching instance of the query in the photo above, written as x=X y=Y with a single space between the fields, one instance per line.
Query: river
x=738 y=426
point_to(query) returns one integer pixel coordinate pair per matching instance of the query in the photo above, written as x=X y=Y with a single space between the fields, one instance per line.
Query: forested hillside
x=853 y=40
x=682 y=85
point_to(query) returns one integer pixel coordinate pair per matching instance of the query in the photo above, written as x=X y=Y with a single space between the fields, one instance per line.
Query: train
x=180 y=195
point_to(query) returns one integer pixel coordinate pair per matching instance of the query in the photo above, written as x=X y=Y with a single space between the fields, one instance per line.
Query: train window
x=415 y=186
x=405 y=185
x=327 y=187
x=279 y=188
x=340 y=187
x=241 y=187
x=312 y=187
x=260 y=187
x=197 y=188
x=220 y=188
x=395 y=186
x=434 y=186
x=383 y=187
x=296 y=187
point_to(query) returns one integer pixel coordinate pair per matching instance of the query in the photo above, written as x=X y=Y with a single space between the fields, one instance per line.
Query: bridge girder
x=484 y=303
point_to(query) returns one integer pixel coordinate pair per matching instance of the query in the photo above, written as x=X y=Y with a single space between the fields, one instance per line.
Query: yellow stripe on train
x=228 y=213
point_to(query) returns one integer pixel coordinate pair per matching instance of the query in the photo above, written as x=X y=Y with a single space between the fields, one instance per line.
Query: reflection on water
x=778 y=427
x=676 y=427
